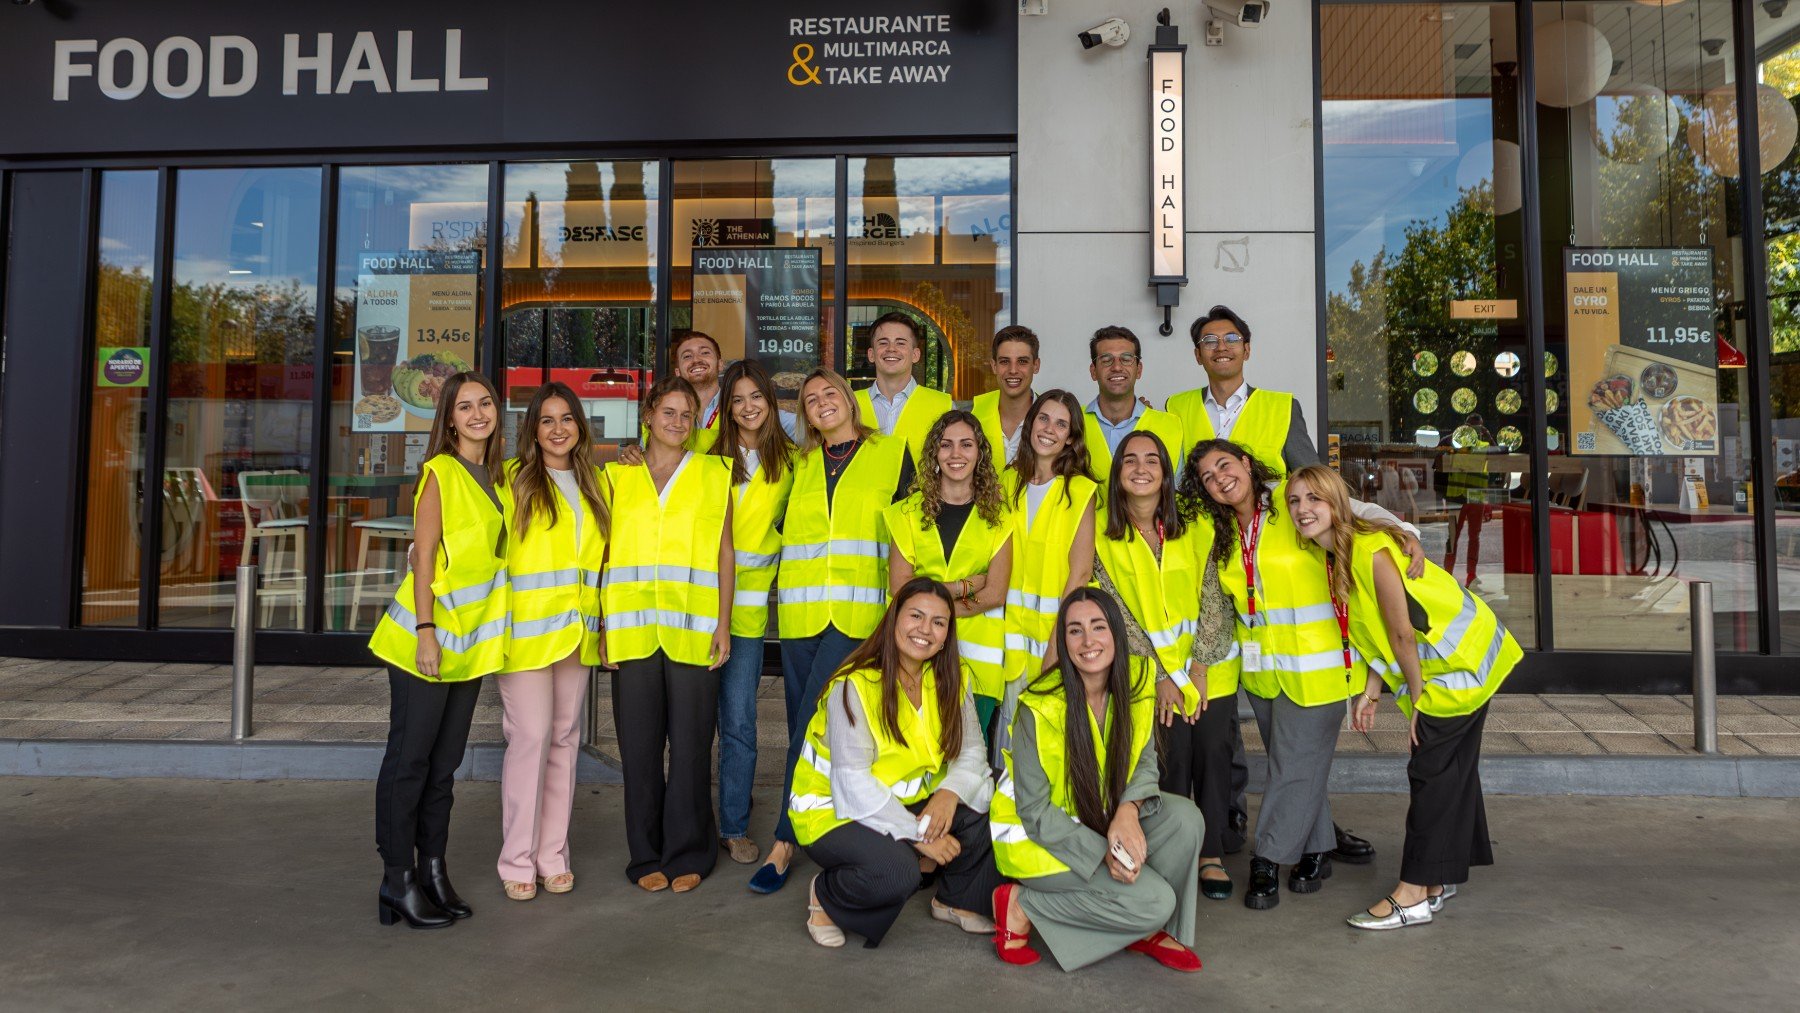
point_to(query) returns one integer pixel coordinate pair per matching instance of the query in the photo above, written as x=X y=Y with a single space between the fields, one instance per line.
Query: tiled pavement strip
x=148 y=701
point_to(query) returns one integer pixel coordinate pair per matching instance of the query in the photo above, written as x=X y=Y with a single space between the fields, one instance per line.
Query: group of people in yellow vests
x=1012 y=639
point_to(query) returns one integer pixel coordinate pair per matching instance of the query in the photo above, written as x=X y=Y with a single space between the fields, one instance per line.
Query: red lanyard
x=1340 y=607
x=1249 y=549
x=713 y=416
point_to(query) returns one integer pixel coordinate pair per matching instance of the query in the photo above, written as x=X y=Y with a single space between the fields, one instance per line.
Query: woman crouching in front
x=1442 y=677
x=893 y=776
x=1083 y=758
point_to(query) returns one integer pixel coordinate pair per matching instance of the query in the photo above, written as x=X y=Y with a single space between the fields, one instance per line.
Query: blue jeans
x=738 y=680
x=807 y=664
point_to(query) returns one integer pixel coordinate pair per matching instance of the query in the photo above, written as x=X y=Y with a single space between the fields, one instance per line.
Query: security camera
x=1111 y=32
x=1242 y=13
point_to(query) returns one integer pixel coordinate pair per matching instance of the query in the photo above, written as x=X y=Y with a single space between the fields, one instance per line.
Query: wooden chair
x=272 y=513
x=400 y=530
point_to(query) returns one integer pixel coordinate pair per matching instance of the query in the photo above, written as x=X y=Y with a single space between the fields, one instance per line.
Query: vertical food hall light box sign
x=1168 y=184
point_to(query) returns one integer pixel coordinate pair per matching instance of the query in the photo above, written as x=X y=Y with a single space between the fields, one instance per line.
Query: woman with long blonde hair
x=956 y=529
x=556 y=541
x=1444 y=653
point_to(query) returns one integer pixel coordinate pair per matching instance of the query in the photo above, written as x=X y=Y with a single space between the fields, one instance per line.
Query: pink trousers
x=541 y=715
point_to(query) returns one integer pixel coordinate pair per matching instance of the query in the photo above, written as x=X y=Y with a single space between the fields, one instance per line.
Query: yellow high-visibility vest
x=1261 y=426
x=1162 y=595
x=555 y=585
x=469 y=584
x=834 y=550
x=1014 y=851
x=756 y=507
x=921 y=411
x=986 y=409
x=1040 y=567
x=1294 y=627
x=1167 y=428
x=660 y=587
x=980 y=639
x=911 y=769
x=1463 y=657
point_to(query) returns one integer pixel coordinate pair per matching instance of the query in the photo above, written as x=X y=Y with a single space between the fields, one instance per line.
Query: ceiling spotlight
x=1773 y=8
x=1712 y=46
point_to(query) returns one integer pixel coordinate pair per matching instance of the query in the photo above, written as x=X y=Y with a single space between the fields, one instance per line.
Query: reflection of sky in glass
x=1373 y=191
x=128 y=219
x=922 y=183
x=246 y=228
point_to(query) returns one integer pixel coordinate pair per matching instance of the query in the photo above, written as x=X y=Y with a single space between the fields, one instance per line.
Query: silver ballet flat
x=1437 y=903
x=1397 y=918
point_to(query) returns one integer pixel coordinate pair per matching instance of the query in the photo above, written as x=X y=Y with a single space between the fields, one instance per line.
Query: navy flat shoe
x=769 y=879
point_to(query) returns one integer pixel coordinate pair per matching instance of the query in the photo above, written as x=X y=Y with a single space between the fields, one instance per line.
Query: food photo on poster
x=1642 y=351
x=415 y=328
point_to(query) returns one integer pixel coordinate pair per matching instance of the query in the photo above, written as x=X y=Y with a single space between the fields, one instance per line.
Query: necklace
x=1158 y=525
x=851 y=449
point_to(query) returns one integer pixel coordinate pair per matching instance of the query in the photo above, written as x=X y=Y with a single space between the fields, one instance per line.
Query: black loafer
x=1214 y=889
x=1351 y=848
x=1237 y=830
x=1310 y=875
x=1264 y=891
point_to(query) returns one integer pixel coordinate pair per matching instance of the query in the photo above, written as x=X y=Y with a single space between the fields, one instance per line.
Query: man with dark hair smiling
x=1002 y=412
x=895 y=403
x=1116 y=362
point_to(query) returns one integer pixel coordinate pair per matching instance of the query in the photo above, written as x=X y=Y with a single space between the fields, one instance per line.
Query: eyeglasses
x=1122 y=359
x=1212 y=340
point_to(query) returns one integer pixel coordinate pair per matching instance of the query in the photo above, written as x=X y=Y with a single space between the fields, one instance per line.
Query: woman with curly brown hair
x=955 y=528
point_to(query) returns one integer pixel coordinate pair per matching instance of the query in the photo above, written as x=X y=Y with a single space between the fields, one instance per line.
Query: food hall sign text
x=1168 y=181
x=228 y=66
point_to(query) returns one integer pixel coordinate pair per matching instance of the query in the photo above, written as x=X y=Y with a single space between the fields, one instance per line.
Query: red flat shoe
x=1018 y=956
x=1175 y=958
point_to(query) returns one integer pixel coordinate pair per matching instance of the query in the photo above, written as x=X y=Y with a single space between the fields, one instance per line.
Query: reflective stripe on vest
x=661 y=584
x=1014 y=852
x=1463 y=658
x=471 y=594
x=910 y=770
x=981 y=638
x=1040 y=566
x=833 y=567
x=1295 y=627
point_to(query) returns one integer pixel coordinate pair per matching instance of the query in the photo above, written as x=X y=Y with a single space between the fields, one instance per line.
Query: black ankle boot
x=434 y=879
x=1312 y=872
x=401 y=898
x=1264 y=891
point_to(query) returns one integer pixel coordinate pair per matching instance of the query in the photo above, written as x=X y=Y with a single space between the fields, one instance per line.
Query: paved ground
x=198 y=895
x=146 y=700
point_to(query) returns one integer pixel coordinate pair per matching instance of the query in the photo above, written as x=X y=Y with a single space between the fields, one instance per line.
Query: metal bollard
x=243 y=657
x=1706 y=675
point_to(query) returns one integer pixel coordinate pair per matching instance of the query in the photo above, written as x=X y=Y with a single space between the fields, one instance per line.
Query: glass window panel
x=121 y=344
x=1422 y=225
x=1778 y=91
x=238 y=417
x=746 y=204
x=579 y=289
x=406 y=311
x=932 y=237
x=1641 y=153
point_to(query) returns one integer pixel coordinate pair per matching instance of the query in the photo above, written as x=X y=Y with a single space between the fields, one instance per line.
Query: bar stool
x=399 y=529
x=270 y=515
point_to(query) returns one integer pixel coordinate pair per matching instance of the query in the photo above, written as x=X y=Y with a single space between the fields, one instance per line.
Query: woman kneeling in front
x=1082 y=758
x=1442 y=677
x=893 y=777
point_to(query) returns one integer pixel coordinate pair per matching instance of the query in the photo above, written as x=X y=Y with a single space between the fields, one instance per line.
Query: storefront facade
x=240 y=242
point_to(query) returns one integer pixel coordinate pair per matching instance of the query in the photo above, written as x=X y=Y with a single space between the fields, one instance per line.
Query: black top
x=950 y=520
x=837 y=460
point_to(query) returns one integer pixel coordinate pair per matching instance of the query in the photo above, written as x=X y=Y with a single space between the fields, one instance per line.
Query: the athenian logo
x=881 y=225
x=706 y=232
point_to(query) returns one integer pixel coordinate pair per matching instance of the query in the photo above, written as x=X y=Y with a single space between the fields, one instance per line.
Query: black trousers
x=428 y=729
x=669 y=824
x=1446 y=825
x=1196 y=764
x=1240 y=771
x=868 y=876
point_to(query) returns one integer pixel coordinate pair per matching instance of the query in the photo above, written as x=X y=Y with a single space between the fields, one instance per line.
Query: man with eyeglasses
x=1116 y=362
x=1270 y=425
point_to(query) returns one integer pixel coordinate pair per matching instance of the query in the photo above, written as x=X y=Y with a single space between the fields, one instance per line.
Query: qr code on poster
x=1586 y=441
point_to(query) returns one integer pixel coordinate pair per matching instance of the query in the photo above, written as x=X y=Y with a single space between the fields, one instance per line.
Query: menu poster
x=761 y=303
x=415 y=328
x=1643 y=366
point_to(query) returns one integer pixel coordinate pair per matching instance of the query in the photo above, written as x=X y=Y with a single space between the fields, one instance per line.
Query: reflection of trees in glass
x=229 y=323
x=1395 y=307
x=122 y=311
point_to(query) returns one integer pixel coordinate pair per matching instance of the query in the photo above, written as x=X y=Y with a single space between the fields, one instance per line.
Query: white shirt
x=565 y=481
x=855 y=792
x=887 y=410
x=1034 y=498
x=1224 y=416
x=1012 y=445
